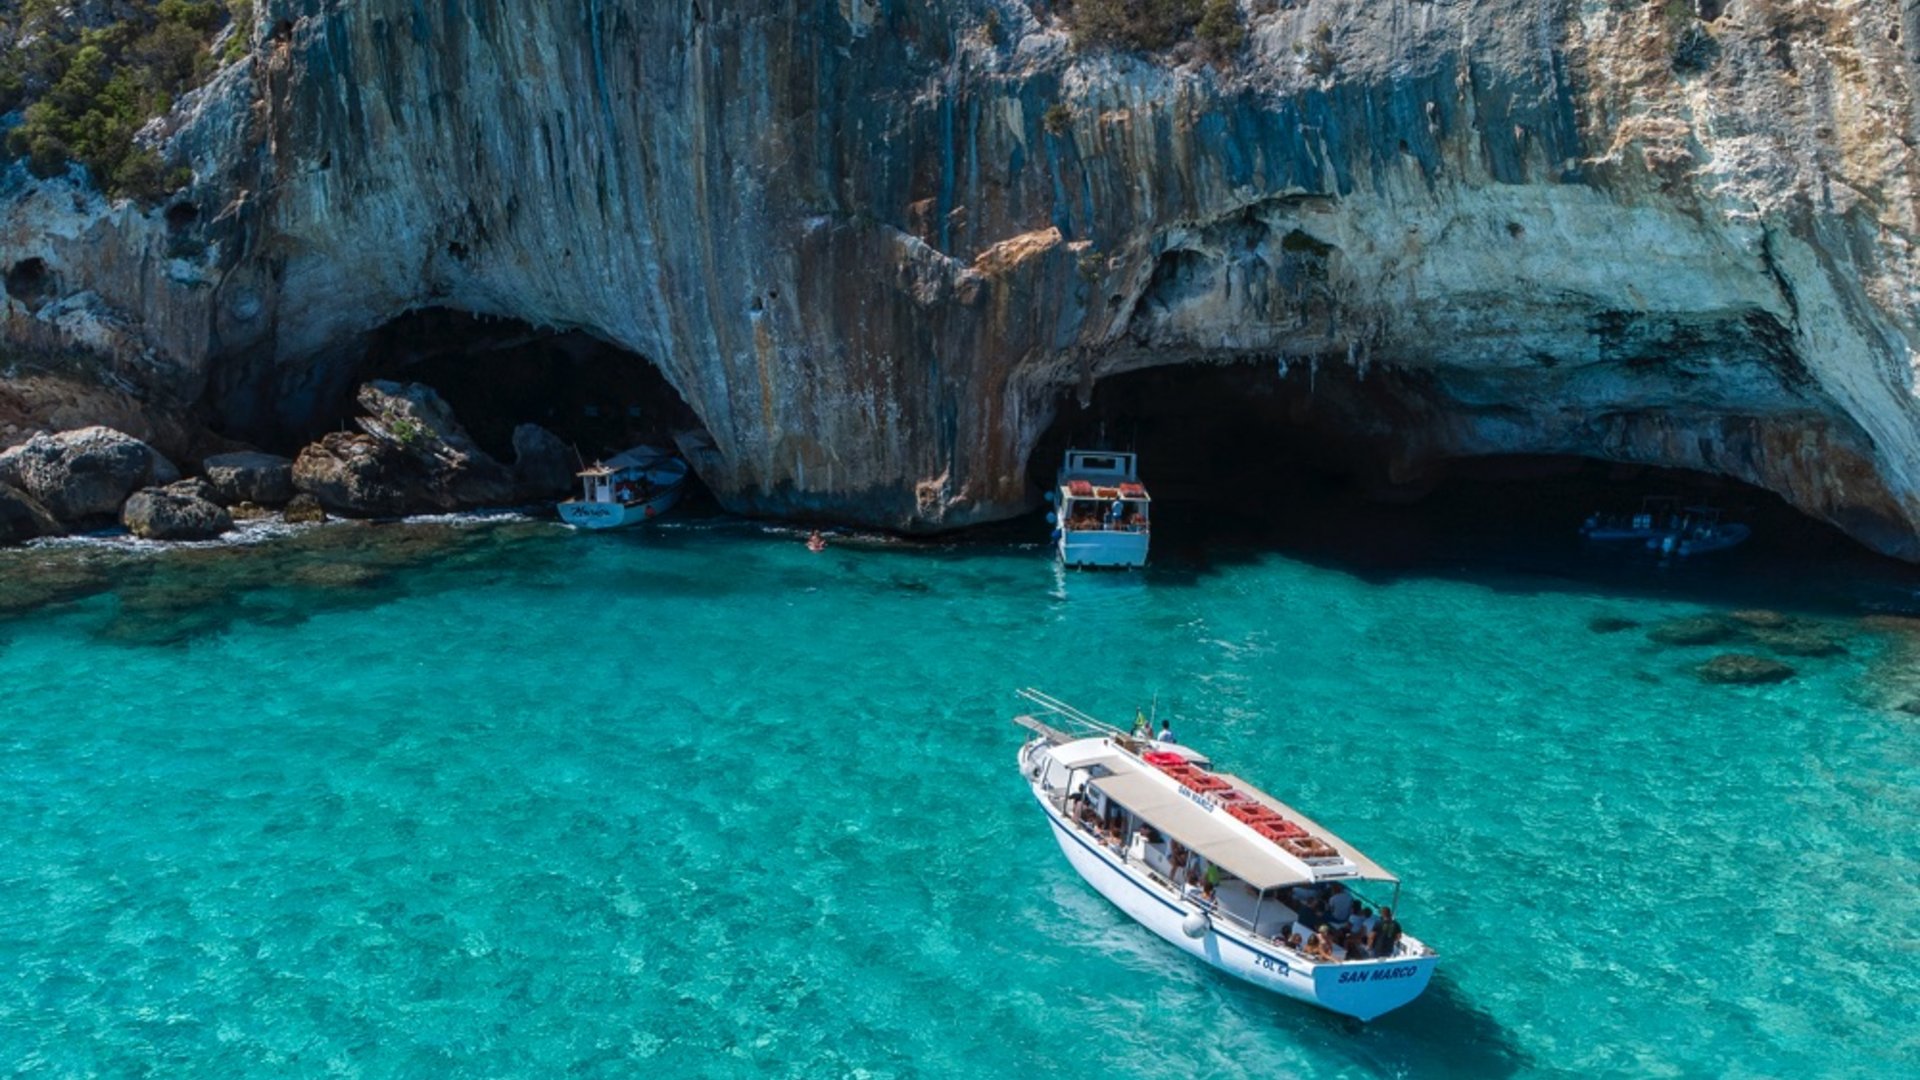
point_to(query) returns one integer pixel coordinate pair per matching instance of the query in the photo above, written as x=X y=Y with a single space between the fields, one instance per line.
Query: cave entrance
x=499 y=373
x=1312 y=461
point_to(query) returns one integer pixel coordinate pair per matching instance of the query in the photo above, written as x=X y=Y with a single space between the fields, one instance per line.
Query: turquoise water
x=510 y=801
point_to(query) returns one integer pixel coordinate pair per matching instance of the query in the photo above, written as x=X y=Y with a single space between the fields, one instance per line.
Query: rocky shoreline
x=411 y=456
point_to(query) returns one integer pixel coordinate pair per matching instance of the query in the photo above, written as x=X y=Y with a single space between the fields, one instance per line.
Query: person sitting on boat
x=1290 y=938
x=1142 y=728
x=1318 y=948
x=1166 y=733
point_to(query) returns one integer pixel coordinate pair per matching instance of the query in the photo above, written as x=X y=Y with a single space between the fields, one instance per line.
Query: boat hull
x=1362 y=990
x=614 y=515
x=1103 y=548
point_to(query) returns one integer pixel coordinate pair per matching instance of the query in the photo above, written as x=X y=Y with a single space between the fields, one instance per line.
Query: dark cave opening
x=29 y=280
x=498 y=373
x=495 y=373
x=1302 y=461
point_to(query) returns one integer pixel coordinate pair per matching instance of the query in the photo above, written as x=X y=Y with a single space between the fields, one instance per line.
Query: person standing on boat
x=1386 y=936
x=1339 y=903
x=1114 y=512
x=1142 y=729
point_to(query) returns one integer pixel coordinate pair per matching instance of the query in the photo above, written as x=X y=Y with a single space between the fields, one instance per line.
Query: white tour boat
x=1151 y=826
x=1100 y=516
x=627 y=489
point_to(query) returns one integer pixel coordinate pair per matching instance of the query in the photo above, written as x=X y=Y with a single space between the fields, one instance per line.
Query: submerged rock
x=177 y=512
x=1793 y=641
x=1692 y=630
x=1759 y=618
x=250 y=477
x=81 y=477
x=1610 y=624
x=1743 y=669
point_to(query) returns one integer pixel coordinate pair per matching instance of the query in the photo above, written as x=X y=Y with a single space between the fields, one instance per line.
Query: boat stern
x=1374 y=988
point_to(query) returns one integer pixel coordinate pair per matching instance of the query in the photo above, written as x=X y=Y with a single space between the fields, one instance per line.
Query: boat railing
x=1076 y=723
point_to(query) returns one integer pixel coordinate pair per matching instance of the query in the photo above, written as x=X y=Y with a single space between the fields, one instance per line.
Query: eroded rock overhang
x=877 y=248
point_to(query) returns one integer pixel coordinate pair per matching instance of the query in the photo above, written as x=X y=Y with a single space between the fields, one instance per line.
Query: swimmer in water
x=816 y=542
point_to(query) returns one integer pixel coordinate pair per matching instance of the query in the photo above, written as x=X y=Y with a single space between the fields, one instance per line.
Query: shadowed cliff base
x=1328 y=464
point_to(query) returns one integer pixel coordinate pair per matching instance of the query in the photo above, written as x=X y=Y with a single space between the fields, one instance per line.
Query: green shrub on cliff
x=1153 y=25
x=1133 y=24
x=83 y=91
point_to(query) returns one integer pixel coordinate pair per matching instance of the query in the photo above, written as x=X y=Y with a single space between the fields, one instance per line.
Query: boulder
x=22 y=517
x=357 y=475
x=1693 y=630
x=413 y=456
x=543 y=466
x=1743 y=669
x=83 y=476
x=176 y=512
x=262 y=479
x=303 y=509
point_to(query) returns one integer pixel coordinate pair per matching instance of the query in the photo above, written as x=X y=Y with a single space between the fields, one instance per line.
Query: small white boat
x=627 y=489
x=1658 y=517
x=1700 y=532
x=1219 y=868
x=1101 y=510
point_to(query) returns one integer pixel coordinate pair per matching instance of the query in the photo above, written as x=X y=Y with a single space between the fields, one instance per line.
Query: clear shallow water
x=697 y=802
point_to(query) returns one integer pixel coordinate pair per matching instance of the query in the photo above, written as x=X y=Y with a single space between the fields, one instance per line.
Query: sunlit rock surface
x=876 y=247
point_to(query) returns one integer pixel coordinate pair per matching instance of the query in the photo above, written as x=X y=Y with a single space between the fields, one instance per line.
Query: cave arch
x=1327 y=458
x=495 y=372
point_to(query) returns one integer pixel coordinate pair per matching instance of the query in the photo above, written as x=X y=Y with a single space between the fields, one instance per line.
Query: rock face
x=543 y=467
x=22 y=517
x=413 y=456
x=878 y=247
x=81 y=477
x=176 y=512
x=263 y=479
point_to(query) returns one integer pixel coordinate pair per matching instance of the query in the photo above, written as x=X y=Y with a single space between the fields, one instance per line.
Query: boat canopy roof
x=1214 y=833
x=1369 y=870
x=1255 y=862
x=640 y=457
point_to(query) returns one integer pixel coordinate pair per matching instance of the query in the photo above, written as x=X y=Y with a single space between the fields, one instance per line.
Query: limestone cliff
x=871 y=242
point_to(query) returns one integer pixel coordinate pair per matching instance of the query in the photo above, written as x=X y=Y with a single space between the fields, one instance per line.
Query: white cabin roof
x=1100 y=466
x=1164 y=803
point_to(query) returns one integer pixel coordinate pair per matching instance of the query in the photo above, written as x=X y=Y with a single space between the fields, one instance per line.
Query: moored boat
x=1101 y=513
x=1658 y=516
x=1218 y=867
x=1700 y=532
x=635 y=486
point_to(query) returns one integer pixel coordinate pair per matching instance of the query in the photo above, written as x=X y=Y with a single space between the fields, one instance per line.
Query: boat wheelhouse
x=1101 y=510
x=1220 y=868
x=626 y=489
